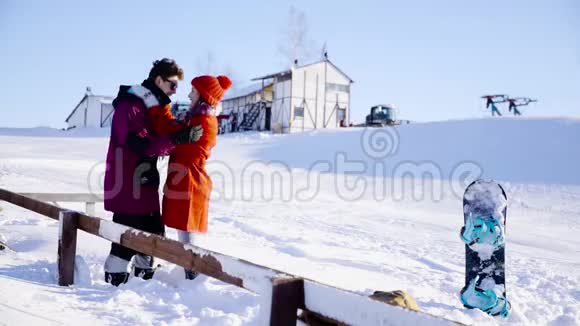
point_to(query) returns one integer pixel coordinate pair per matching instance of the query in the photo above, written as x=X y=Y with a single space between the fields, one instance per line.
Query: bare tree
x=205 y=64
x=295 y=43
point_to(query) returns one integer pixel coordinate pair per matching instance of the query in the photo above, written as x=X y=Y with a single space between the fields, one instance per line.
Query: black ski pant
x=149 y=222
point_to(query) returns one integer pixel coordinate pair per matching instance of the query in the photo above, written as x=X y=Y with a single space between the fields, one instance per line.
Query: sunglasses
x=172 y=82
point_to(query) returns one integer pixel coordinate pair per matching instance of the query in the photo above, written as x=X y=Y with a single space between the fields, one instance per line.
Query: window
x=299 y=112
x=337 y=88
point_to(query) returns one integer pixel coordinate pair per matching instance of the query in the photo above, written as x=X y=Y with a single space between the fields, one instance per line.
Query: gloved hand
x=187 y=135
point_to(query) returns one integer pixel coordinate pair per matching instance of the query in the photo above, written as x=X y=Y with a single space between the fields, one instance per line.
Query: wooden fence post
x=67 y=247
x=287 y=298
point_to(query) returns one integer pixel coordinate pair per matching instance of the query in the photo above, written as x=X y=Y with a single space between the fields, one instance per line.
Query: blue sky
x=433 y=59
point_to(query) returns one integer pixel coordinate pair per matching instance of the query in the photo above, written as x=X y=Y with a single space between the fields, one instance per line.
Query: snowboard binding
x=482 y=230
x=488 y=301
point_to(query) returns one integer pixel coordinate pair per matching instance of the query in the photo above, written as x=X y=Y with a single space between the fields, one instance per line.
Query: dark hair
x=165 y=68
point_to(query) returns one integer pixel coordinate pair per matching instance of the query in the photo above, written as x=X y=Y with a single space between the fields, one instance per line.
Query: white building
x=92 y=111
x=309 y=97
x=302 y=98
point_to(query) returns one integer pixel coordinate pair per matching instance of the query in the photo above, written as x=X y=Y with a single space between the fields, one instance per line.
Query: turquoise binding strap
x=482 y=230
x=485 y=300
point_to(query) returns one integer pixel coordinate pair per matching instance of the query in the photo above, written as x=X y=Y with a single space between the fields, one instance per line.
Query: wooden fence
x=88 y=199
x=287 y=294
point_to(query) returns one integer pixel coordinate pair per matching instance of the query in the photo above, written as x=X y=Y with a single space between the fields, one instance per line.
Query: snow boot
x=190 y=275
x=116 y=279
x=144 y=273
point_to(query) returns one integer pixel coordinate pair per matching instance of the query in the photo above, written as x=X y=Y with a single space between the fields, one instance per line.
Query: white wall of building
x=281 y=104
x=307 y=96
x=91 y=112
x=337 y=96
x=94 y=113
x=106 y=113
x=322 y=93
x=77 y=119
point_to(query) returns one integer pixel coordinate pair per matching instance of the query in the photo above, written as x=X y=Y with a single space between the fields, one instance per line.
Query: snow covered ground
x=365 y=210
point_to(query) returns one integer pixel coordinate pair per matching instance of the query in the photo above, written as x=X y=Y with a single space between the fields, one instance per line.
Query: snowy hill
x=506 y=149
x=361 y=209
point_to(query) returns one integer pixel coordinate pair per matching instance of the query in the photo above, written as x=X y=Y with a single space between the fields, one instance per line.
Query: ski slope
x=361 y=209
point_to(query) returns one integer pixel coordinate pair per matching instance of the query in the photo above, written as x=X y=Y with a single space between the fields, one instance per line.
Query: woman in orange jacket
x=188 y=186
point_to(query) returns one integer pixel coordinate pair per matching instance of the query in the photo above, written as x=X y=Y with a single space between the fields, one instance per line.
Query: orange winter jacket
x=163 y=121
x=188 y=186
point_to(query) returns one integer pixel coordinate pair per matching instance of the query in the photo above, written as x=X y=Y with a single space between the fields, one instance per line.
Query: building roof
x=102 y=98
x=245 y=91
x=276 y=74
x=289 y=71
x=340 y=71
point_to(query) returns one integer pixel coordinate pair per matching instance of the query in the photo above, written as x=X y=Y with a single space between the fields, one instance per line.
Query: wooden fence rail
x=287 y=293
x=88 y=199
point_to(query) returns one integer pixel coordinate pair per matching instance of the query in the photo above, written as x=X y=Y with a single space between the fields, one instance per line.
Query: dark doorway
x=268 y=118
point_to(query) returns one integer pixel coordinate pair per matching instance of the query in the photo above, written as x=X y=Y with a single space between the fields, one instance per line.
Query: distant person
x=131 y=183
x=234 y=122
x=513 y=106
x=494 y=110
x=188 y=186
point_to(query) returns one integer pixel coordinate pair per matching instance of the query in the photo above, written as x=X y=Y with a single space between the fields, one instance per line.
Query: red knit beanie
x=211 y=88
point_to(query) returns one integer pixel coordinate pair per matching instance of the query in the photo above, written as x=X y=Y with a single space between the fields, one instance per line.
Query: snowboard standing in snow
x=484 y=211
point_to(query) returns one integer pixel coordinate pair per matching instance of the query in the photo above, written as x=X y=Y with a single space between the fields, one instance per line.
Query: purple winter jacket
x=131 y=178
